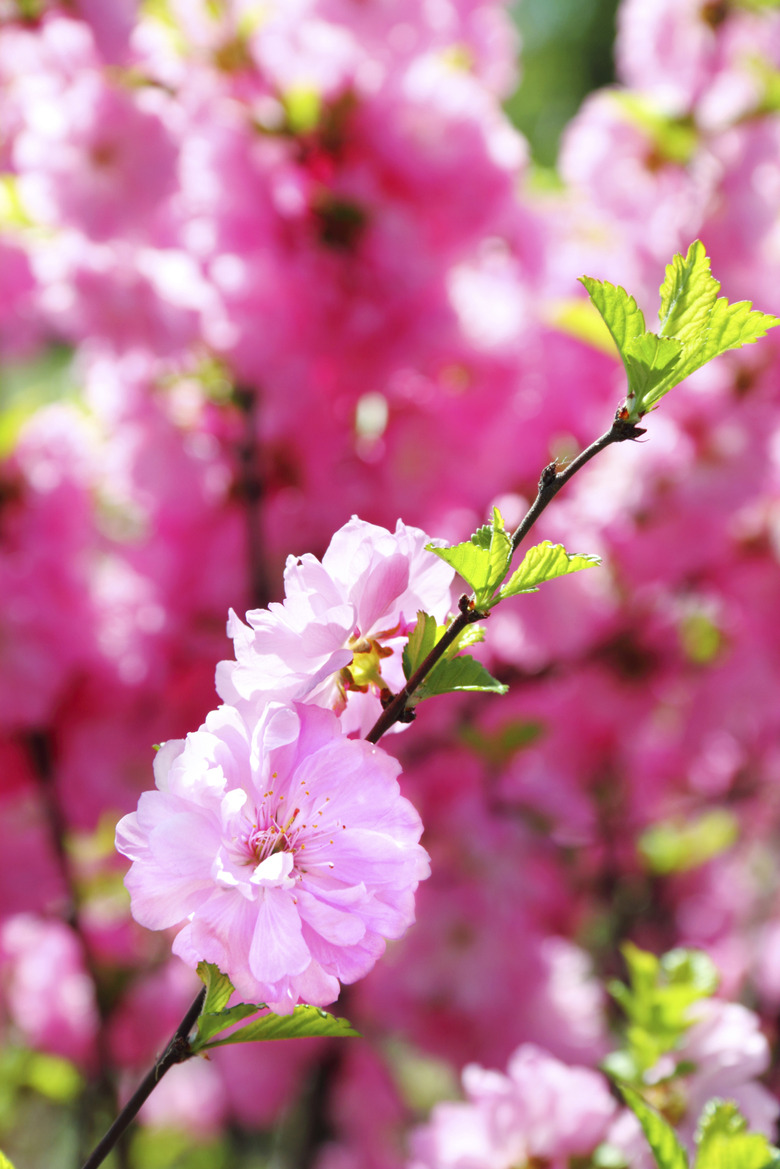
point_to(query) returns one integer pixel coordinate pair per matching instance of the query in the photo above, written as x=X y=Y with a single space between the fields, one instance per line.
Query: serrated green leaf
x=541 y=563
x=483 y=536
x=618 y=309
x=500 y=553
x=663 y=1140
x=459 y=673
x=695 y=327
x=483 y=561
x=219 y=988
x=649 y=361
x=210 y=1025
x=421 y=641
x=688 y=294
x=733 y=325
x=469 y=561
x=724 y=1142
x=304 y=1022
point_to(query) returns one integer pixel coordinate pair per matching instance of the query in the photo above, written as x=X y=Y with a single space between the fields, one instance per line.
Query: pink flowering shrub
x=286 y=849
x=263 y=267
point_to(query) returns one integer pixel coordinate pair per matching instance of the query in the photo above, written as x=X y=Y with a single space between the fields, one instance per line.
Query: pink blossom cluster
x=263 y=268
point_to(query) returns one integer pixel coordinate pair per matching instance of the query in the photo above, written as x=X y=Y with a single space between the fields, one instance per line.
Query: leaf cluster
x=695 y=325
x=657 y=1002
x=722 y=1138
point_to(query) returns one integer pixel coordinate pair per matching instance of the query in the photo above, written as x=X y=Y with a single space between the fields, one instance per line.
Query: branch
x=177 y=1051
x=550 y=483
x=552 y=480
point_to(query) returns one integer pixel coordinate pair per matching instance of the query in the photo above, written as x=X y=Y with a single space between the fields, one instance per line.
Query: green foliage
x=302 y=107
x=695 y=326
x=484 y=562
x=460 y=673
x=4 y=1162
x=28 y=386
x=677 y=847
x=54 y=1077
x=170 y=1148
x=216 y=1016
x=723 y=1141
x=454 y=671
x=661 y=1137
x=541 y=563
x=657 y=1004
x=305 y=1022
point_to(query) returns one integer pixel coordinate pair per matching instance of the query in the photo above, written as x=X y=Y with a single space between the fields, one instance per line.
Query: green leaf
x=695 y=326
x=541 y=563
x=54 y=1077
x=211 y=1024
x=663 y=1140
x=483 y=562
x=724 y=1142
x=460 y=673
x=678 y=846
x=216 y=1016
x=619 y=311
x=421 y=641
x=4 y=1162
x=469 y=560
x=658 y=1000
x=219 y=988
x=304 y=1022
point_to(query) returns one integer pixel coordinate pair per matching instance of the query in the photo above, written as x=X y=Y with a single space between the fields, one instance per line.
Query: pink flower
x=541 y=1109
x=342 y=625
x=285 y=849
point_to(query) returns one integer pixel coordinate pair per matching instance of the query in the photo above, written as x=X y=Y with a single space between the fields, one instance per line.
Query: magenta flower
x=285 y=849
x=336 y=639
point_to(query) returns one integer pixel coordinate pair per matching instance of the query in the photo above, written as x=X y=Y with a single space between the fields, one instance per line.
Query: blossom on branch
x=284 y=849
x=336 y=639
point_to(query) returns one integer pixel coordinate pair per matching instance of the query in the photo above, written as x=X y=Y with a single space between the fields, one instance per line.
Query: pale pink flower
x=541 y=1109
x=353 y=611
x=283 y=848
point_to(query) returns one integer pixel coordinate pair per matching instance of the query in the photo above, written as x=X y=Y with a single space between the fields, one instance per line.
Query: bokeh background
x=263 y=267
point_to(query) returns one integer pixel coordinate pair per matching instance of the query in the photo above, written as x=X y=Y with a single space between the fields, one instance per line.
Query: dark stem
x=396 y=708
x=552 y=480
x=252 y=489
x=101 y=1090
x=550 y=483
x=177 y=1051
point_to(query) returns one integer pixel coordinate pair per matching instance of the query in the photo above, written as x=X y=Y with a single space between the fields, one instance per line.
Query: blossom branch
x=395 y=711
x=102 y=1088
x=177 y=1051
x=552 y=480
x=252 y=490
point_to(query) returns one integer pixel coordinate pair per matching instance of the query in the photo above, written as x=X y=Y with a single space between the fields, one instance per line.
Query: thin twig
x=550 y=483
x=177 y=1051
x=552 y=480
